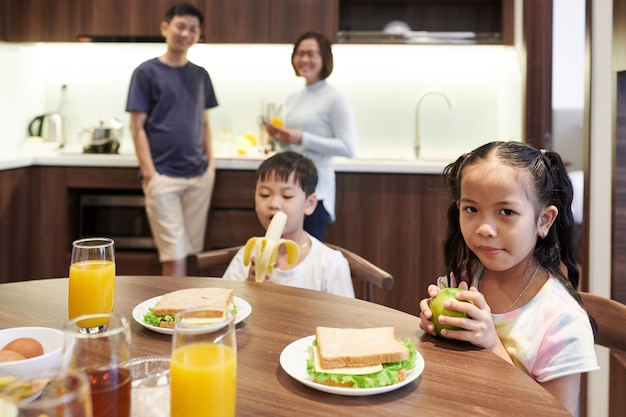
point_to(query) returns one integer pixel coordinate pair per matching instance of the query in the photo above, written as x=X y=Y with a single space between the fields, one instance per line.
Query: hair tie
x=543 y=151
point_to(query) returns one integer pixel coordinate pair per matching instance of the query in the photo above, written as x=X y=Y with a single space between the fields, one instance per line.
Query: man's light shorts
x=177 y=210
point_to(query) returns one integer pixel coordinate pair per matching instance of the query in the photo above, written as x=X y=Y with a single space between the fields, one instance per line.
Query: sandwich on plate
x=360 y=358
x=162 y=314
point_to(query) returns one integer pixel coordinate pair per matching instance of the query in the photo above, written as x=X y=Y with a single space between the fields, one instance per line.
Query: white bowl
x=47 y=364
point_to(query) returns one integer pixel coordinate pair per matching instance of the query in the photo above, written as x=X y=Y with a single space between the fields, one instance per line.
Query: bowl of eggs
x=30 y=352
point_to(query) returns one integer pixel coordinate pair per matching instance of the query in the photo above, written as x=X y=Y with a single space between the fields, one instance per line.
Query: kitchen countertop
x=20 y=158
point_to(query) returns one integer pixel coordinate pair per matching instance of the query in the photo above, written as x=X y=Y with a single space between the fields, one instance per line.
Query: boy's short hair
x=183 y=9
x=283 y=164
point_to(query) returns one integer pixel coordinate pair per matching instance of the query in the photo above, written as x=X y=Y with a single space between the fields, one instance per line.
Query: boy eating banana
x=285 y=183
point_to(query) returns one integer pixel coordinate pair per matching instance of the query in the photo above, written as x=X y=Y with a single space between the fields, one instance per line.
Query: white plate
x=293 y=360
x=243 y=310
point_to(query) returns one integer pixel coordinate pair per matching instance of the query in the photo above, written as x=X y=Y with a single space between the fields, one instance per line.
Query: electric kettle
x=48 y=127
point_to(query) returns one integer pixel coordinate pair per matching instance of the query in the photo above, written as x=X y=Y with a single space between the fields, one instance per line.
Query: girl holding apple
x=511 y=241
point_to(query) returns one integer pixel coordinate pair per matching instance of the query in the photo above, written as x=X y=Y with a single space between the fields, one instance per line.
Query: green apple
x=436 y=306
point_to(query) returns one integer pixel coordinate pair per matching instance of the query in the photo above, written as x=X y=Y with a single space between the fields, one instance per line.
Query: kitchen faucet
x=417 y=115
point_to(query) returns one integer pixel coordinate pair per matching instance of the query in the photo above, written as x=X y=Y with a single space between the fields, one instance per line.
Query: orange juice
x=276 y=122
x=92 y=288
x=203 y=378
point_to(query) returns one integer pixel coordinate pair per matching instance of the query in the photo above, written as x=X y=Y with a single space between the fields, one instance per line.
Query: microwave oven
x=120 y=217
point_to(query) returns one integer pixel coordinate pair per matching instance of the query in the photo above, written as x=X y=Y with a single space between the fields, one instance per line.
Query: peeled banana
x=13 y=390
x=265 y=249
x=16 y=389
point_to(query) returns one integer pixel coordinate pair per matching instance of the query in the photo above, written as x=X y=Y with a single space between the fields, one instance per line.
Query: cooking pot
x=48 y=127
x=102 y=139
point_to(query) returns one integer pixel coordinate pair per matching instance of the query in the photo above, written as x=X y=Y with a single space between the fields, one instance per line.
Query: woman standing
x=318 y=123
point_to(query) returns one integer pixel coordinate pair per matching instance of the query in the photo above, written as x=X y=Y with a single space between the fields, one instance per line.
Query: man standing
x=169 y=100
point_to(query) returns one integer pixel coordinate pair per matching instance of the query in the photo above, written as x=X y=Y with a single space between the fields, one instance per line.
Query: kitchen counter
x=20 y=159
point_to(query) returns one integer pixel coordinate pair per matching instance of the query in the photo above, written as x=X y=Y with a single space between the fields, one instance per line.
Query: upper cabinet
x=226 y=21
x=268 y=21
x=41 y=20
x=291 y=18
x=426 y=21
x=264 y=21
x=124 y=18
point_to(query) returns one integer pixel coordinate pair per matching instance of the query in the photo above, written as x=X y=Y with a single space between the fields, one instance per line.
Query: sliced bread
x=338 y=348
x=176 y=301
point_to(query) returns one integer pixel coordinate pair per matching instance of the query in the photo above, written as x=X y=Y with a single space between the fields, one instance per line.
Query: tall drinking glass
x=203 y=367
x=92 y=280
x=66 y=395
x=103 y=356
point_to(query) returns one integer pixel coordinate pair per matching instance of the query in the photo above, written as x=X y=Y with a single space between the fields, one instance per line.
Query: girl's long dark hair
x=551 y=185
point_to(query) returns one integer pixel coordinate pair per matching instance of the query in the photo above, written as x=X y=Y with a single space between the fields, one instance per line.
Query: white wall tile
x=382 y=82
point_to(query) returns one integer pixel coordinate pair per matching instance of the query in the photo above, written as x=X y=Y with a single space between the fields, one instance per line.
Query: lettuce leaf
x=155 y=320
x=387 y=376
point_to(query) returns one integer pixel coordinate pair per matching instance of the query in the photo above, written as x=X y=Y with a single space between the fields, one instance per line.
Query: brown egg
x=10 y=356
x=25 y=346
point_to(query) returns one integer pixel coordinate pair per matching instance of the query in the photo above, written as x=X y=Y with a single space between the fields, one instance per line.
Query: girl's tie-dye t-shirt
x=550 y=336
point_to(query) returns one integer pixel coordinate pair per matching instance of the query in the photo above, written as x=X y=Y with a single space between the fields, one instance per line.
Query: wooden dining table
x=457 y=378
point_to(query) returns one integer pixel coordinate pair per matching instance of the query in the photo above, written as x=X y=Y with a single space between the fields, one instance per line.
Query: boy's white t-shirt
x=323 y=269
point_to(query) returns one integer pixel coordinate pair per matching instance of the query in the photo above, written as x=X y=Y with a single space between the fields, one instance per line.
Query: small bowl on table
x=44 y=365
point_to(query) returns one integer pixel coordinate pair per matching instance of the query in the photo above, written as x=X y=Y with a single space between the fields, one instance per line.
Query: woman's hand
x=284 y=135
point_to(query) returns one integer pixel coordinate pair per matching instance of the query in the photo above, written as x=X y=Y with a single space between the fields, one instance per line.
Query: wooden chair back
x=610 y=316
x=364 y=274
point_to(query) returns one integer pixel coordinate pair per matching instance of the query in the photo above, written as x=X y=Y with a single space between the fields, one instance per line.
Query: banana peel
x=265 y=249
x=16 y=389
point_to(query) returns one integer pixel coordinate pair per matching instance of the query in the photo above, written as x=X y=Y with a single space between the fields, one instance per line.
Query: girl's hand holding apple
x=474 y=321
x=426 y=312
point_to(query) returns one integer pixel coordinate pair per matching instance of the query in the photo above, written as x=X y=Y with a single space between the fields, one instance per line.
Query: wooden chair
x=610 y=316
x=365 y=275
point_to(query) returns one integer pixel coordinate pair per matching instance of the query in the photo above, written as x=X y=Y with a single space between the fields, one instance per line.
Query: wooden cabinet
x=237 y=21
x=490 y=20
x=140 y=18
x=268 y=21
x=226 y=21
x=41 y=20
x=291 y=18
x=15 y=215
x=398 y=222
x=248 y=21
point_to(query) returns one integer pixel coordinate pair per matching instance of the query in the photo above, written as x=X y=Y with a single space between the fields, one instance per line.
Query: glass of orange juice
x=92 y=280
x=203 y=366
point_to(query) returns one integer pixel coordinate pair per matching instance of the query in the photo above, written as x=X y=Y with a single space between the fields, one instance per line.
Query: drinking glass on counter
x=66 y=395
x=203 y=366
x=102 y=356
x=271 y=112
x=92 y=280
